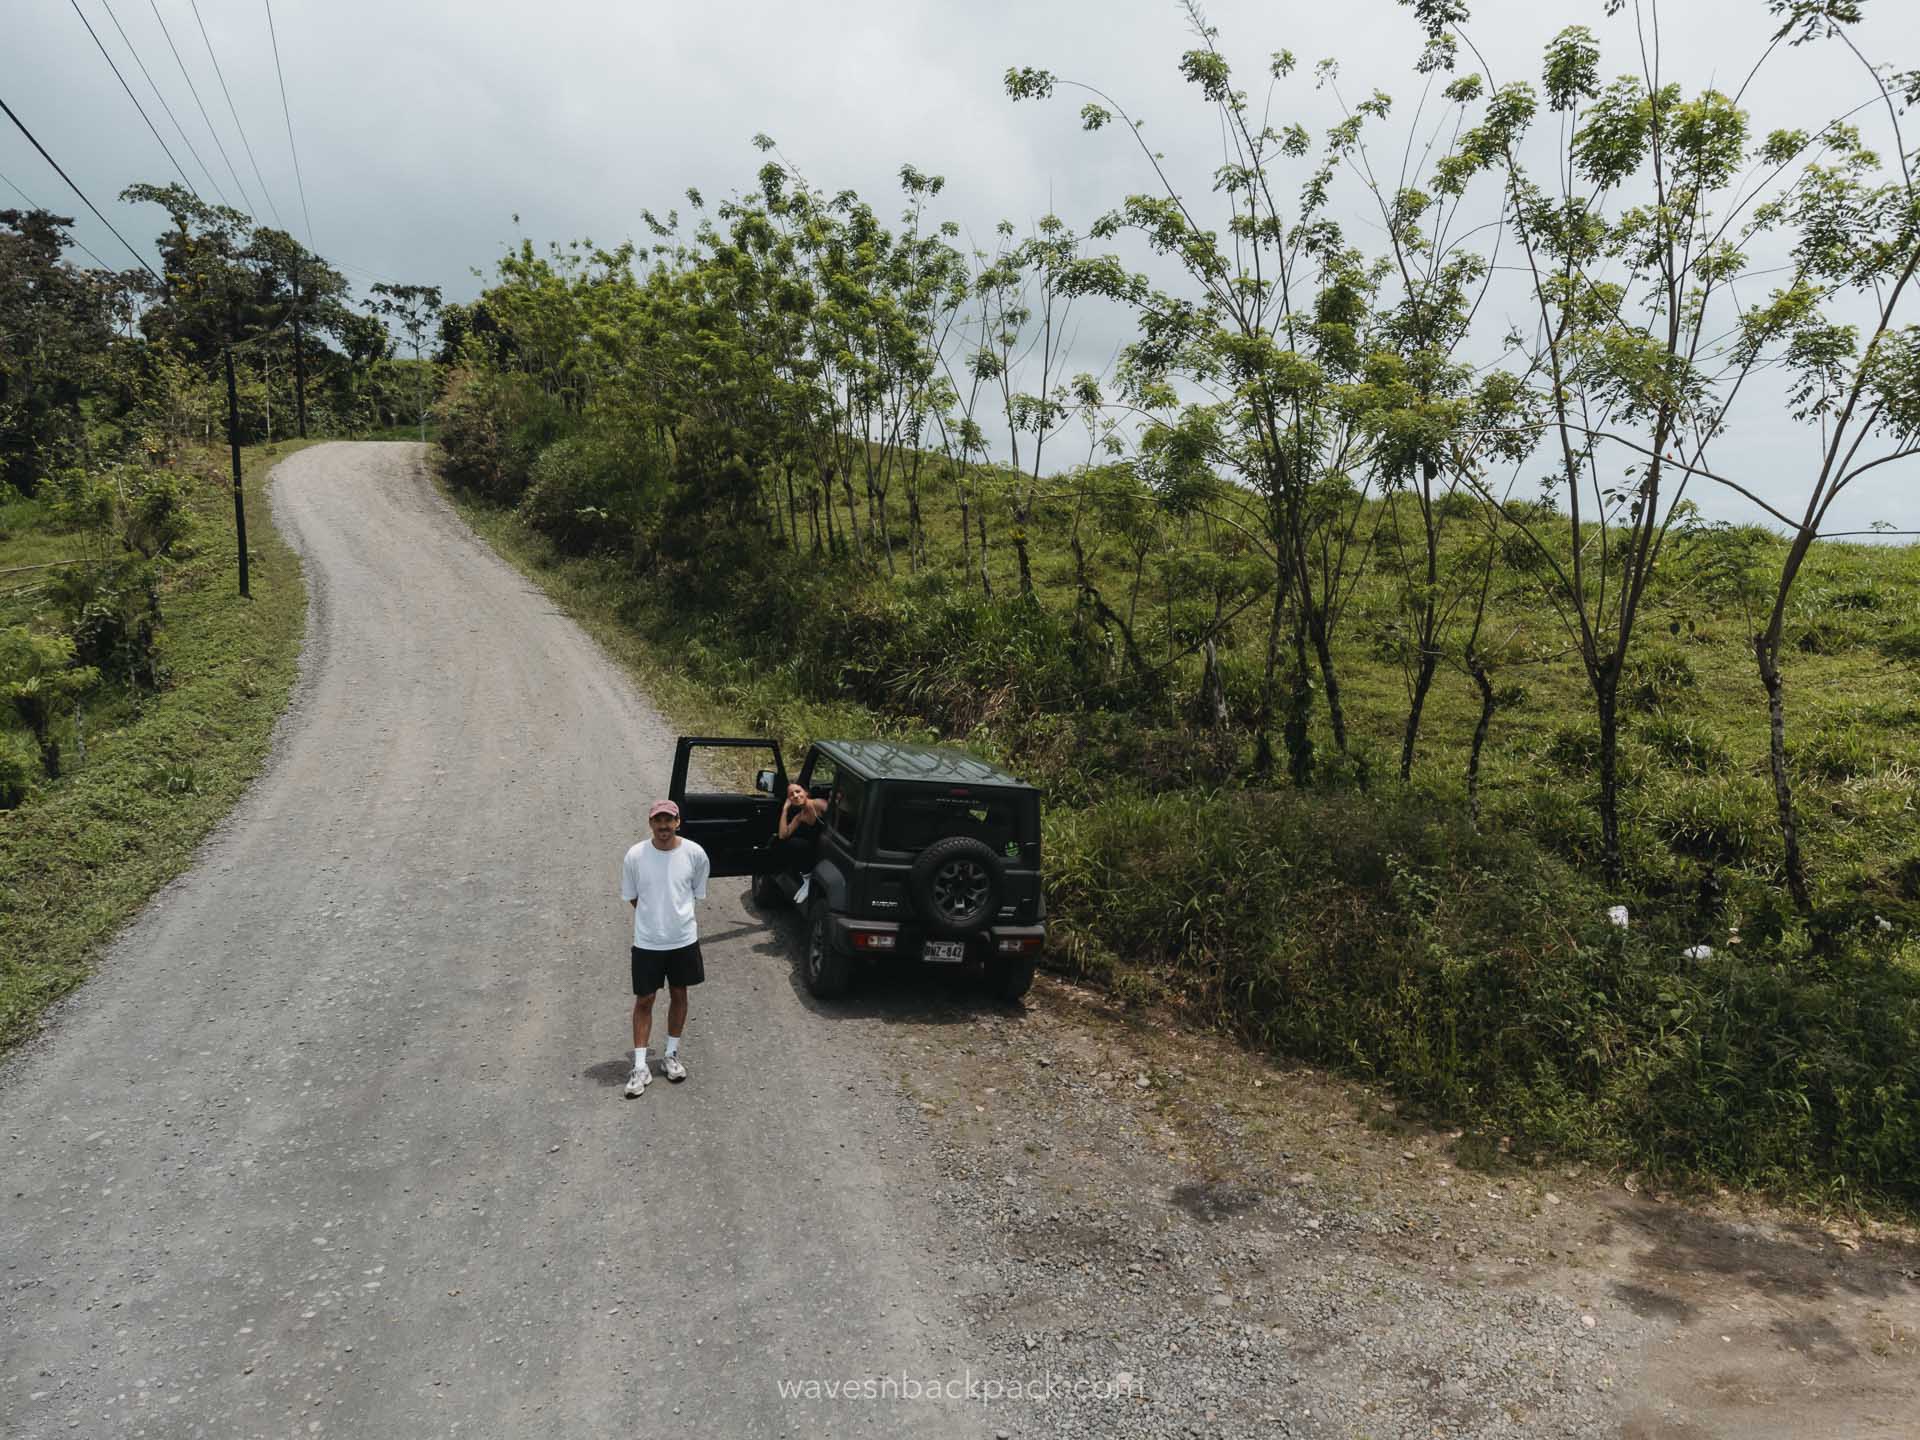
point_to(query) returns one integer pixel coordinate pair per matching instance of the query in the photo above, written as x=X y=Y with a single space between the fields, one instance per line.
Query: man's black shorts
x=654 y=968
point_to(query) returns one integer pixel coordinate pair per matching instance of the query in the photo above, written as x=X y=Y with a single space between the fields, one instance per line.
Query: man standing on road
x=661 y=878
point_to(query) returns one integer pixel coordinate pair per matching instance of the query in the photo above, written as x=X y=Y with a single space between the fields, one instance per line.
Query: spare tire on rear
x=956 y=886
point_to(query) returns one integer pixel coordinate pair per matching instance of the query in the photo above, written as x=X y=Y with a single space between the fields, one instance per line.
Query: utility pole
x=239 y=495
x=299 y=353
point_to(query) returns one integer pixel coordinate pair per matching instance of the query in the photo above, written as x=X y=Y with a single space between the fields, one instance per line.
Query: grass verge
x=85 y=853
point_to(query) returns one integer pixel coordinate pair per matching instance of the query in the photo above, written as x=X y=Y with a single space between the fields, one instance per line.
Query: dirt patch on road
x=1271 y=1252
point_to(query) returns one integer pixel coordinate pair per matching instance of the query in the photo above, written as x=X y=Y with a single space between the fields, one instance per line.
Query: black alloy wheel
x=956 y=886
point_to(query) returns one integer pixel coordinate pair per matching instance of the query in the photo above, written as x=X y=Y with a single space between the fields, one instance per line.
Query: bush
x=587 y=494
x=1684 y=744
x=491 y=428
x=39 y=682
x=16 y=773
x=1841 y=752
x=1721 y=818
x=1575 y=748
x=81 y=501
x=1484 y=983
x=1564 y=823
x=113 y=612
x=152 y=512
x=1859 y=597
x=1901 y=644
x=1656 y=680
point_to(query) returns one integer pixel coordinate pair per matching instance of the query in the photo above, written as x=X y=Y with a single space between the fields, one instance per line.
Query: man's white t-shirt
x=666 y=883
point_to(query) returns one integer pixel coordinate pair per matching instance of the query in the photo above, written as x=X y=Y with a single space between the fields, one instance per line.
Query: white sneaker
x=637 y=1082
x=673 y=1069
x=800 y=895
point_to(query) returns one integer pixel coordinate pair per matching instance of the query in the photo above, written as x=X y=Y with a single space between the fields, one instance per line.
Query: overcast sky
x=425 y=126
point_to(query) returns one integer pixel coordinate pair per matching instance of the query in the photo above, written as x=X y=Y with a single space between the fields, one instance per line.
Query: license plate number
x=949 y=952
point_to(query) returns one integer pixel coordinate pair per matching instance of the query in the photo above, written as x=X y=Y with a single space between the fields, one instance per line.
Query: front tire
x=828 y=972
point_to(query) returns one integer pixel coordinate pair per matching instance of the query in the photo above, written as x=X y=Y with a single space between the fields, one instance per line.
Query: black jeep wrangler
x=924 y=853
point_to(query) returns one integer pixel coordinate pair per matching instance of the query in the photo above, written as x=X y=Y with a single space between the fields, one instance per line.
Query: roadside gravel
x=1213 y=1247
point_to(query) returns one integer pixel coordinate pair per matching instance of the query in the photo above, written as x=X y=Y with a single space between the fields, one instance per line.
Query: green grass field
x=147 y=776
x=1694 y=731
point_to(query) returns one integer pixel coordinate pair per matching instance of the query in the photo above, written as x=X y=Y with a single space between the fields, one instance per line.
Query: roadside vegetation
x=138 y=689
x=157 y=736
x=1396 y=706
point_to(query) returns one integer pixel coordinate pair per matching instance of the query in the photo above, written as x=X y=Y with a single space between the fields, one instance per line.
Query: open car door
x=734 y=812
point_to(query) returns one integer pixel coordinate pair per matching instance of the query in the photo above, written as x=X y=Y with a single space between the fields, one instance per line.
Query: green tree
x=1854 y=223
x=39 y=682
x=414 y=309
x=58 y=347
x=1274 y=329
x=1631 y=235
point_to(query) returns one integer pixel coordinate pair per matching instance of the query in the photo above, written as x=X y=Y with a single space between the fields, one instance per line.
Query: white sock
x=673 y=1044
x=639 y=1057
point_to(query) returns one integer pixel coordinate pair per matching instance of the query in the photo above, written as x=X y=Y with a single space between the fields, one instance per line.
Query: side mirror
x=763 y=782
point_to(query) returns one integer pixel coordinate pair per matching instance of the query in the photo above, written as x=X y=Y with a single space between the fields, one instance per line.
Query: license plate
x=950 y=952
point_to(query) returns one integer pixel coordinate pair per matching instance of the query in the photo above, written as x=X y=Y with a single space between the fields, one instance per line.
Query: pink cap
x=664 y=807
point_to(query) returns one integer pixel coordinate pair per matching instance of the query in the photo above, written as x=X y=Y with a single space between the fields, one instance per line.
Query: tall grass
x=1484 y=981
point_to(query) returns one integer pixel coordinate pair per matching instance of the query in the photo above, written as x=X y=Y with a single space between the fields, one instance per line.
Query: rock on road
x=334 y=1144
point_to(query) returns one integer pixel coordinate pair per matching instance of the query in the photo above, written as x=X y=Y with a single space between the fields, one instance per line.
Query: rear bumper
x=900 y=940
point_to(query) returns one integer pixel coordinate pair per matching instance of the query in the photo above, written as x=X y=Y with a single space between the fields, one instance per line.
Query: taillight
x=1019 y=944
x=873 y=939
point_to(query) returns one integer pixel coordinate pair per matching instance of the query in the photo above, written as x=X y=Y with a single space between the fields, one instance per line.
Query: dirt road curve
x=334 y=1143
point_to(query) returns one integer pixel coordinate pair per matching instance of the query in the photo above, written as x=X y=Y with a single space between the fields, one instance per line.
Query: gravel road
x=334 y=1142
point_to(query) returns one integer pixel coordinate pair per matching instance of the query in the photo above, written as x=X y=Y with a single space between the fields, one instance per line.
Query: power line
x=21 y=125
x=233 y=110
x=152 y=85
x=297 y=177
x=245 y=199
x=33 y=204
x=130 y=95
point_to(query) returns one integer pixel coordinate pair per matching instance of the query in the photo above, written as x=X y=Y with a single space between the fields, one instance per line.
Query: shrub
x=1684 y=744
x=492 y=427
x=81 y=501
x=587 y=494
x=1574 y=748
x=16 y=773
x=1841 y=752
x=152 y=512
x=114 y=615
x=1721 y=818
x=1562 y=821
x=1901 y=644
x=39 y=682
x=1656 y=680
x=1483 y=982
x=1818 y=624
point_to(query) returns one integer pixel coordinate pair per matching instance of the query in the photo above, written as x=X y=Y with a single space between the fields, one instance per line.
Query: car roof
x=897 y=760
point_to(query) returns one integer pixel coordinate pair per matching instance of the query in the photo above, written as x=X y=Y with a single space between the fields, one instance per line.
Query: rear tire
x=1009 y=980
x=767 y=893
x=828 y=973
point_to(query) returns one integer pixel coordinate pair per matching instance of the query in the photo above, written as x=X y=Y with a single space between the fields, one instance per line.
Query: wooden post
x=239 y=495
x=299 y=355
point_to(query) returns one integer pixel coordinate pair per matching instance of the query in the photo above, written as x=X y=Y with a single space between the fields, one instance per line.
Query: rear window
x=914 y=819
